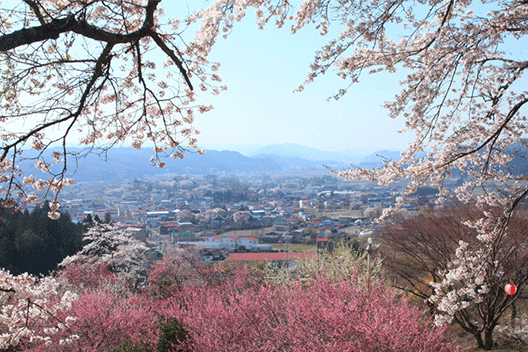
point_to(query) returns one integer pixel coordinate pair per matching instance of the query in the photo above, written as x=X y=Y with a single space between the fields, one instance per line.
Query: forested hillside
x=32 y=242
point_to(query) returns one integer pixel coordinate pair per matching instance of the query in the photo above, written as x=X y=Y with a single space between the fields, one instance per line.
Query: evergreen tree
x=32 y=242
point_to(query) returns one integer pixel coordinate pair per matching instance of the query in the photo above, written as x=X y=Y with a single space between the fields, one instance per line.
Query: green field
x=294 y=247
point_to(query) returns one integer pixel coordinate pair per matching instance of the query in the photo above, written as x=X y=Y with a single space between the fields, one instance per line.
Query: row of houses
x=226 y=243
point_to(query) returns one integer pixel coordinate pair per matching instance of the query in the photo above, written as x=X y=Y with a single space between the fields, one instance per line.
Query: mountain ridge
x=122 y=163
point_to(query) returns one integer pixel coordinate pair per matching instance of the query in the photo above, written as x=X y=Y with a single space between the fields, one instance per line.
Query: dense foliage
x=32 y=242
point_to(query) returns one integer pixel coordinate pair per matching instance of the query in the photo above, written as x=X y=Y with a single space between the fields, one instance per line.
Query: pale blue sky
x=261 y=68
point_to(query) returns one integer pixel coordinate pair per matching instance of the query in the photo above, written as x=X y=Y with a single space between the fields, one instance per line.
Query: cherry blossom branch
x=494 y=136
x=173 y=56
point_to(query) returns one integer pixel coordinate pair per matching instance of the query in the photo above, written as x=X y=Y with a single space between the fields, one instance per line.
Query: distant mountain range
x=290 y=150
x=128 y=163
x=296 y=155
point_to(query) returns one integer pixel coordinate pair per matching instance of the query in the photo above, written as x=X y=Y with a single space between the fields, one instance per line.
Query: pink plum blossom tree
x=243 y=313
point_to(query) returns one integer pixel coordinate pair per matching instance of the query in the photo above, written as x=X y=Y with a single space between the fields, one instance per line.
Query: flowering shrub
x=244 y=314
x=226 y=308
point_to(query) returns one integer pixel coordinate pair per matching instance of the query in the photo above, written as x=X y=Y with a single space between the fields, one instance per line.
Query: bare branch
x=173 y=56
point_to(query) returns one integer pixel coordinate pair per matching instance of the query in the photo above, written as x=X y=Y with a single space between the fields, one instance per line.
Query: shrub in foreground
x=325 y=315
x=225 y=308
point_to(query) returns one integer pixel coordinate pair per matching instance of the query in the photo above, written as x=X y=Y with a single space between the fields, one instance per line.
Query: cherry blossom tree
x=75 y=68
x=462 y=95
x=373 y=212
x=118 y=249
x=436 y=257
x=241 y=219
x=186 y=215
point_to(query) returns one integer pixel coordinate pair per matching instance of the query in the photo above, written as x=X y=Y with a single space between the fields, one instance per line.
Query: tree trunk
x=484 y=338
x=513 y=315
x=478 y=337
x=488 y=338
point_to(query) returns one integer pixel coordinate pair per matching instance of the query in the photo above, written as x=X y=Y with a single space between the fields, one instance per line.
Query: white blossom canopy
x=117 y=248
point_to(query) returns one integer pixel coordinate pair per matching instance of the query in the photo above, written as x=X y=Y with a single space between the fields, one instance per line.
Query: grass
x=334 y=214
x=295 y=247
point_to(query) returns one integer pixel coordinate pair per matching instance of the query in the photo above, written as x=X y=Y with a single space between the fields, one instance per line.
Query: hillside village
x=213 y=216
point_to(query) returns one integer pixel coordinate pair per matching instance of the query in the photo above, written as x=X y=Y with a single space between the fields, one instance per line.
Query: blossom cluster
x=29 y=307
x=465 y=283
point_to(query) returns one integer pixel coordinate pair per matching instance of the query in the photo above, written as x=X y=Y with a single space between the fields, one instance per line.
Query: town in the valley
x=215 y=217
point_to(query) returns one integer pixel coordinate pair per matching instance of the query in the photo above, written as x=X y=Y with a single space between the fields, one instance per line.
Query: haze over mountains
x=294 y=155
x=128 y=163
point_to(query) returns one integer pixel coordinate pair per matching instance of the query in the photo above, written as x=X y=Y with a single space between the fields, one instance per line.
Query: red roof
x=322 y=240
x=271 y=256
x=251 y=238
